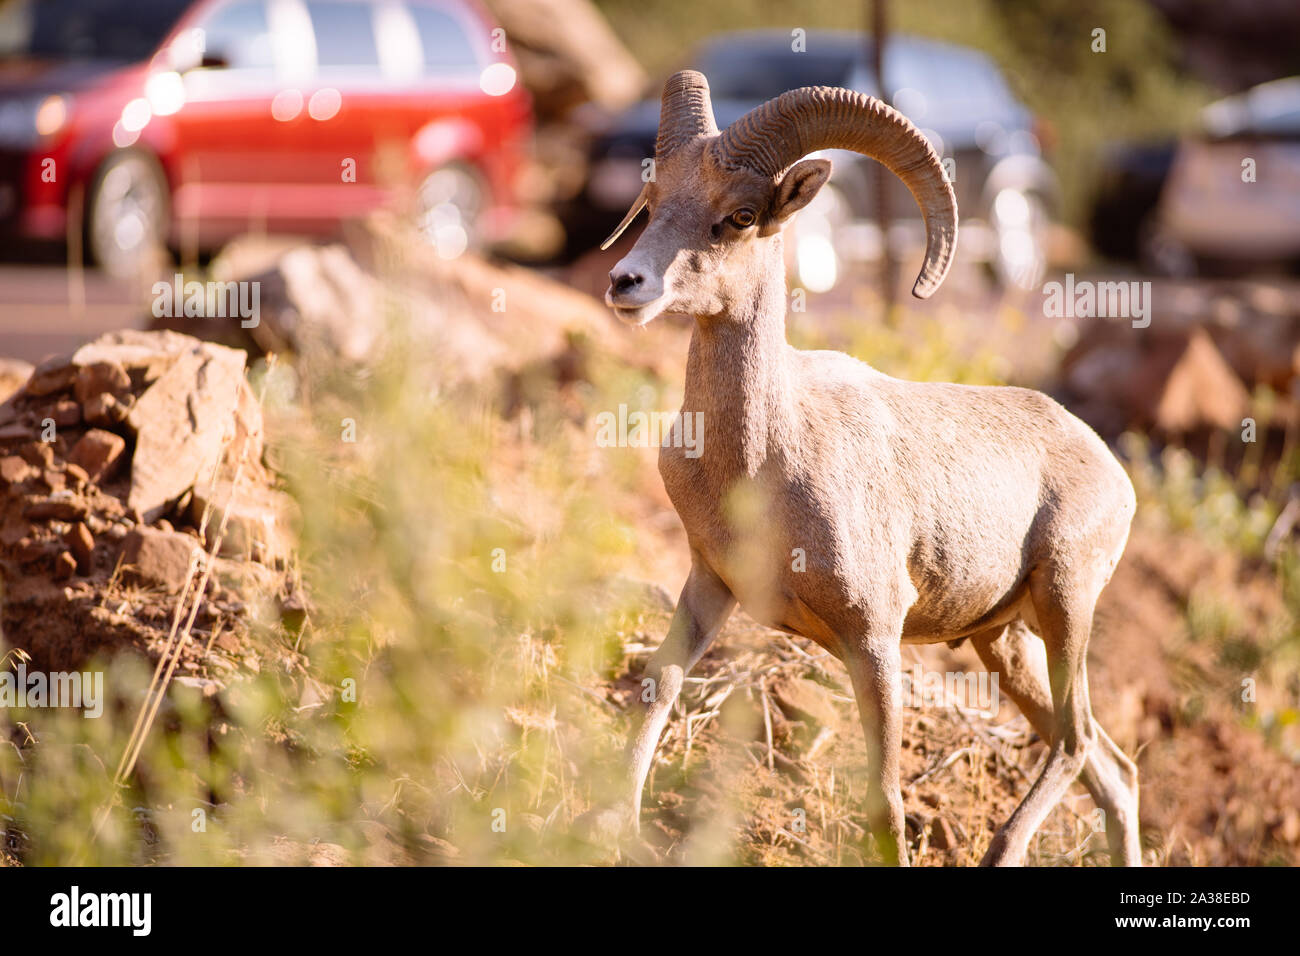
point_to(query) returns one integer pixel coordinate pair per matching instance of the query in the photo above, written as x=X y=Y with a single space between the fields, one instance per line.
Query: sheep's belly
x=924 y=627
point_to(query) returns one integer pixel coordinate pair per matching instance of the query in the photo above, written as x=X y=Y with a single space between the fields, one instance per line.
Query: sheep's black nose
x=625 y=281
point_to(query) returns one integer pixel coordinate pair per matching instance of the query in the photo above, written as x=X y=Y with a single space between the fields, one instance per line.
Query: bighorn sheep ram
x=926 y=512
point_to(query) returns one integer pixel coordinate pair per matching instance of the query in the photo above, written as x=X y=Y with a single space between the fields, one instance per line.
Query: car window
x=757 y=73
x=944 y=73
x=447 y=48
x=123 y=30
x=239 y=34
x=345 y=34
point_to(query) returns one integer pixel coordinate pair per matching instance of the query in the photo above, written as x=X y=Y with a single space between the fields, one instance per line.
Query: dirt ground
x=1214 y=792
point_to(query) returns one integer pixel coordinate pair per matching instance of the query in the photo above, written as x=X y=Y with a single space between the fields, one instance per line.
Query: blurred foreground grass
x=465 y=631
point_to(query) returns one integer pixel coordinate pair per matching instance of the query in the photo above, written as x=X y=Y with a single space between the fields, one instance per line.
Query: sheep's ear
x=798 y=187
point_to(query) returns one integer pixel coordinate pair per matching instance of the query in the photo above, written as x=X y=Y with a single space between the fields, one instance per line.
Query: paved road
x=42 y=312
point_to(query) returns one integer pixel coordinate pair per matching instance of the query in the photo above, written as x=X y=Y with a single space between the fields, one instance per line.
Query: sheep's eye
x=742 y=218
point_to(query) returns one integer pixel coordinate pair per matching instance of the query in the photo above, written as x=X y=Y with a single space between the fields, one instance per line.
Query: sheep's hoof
x=605 y=828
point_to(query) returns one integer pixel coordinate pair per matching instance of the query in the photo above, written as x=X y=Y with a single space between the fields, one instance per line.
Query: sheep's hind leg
x=1063 y=603
x=1015 y=654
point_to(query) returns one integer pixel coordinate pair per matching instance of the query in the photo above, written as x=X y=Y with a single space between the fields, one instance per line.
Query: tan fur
x=925 y=512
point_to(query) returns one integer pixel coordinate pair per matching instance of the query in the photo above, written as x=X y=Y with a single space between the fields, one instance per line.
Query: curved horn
x=685 y=112
x=772 y=137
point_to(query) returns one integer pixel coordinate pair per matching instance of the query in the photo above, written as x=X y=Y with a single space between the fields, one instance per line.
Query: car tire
x=128 y=210
x=449 y=206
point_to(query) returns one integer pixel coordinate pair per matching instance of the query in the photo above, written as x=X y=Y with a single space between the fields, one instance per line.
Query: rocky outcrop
x=108 y=458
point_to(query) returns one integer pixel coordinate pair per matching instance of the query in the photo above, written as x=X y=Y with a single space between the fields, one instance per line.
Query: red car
x=150 y=122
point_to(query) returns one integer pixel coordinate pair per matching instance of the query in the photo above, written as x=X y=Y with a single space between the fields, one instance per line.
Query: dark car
x=956 y=95
x=151 y=122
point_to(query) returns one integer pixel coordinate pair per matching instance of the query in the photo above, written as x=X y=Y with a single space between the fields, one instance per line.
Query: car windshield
x=750 y=72
x=125 y=30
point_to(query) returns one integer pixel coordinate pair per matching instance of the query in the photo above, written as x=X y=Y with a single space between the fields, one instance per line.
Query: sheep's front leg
x=704 y=606
x=874 y=666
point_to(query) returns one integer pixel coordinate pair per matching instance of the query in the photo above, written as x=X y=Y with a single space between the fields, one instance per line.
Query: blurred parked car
x=957 y=96
x=1229 y=195
x=182 y=121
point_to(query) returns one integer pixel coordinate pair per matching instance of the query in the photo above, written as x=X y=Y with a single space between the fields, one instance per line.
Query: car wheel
x=449 y=205
x=127 y=214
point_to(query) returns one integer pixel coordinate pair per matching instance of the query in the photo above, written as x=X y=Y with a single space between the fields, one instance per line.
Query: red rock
x=14 y=373
x=14 y=471
x=159 y=557
x=38 y=453
x=29 y=550
x=181 y=422
x=803 y=699
x=82 y=545
x=259 y=523
x=52 y=375
x=64 y=566
x=99 y=378
x=104 y=409
x=66 y=414
x=98 y=452
x=60 y=506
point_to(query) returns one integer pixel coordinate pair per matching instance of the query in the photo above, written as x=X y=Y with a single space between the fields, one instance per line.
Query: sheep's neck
x=737 y=375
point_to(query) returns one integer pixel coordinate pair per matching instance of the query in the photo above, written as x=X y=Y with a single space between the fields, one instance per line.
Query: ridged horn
x=685 y=112
x=772 y=137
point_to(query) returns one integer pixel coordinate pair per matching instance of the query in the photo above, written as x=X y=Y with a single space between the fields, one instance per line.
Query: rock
x=260 y=522
x=98 y=453
x=803 y=699
x=1201 y=390
x=38 y=453
x=52 y=375
x=14 y=471
x=28 y=549
x=99 y=378
x=82 y=545
x=159 y=557
x=103 y=409
x=78 y=474
x=942 y=835
x=180 y=422
x=66 y=413
x=247 y=578
x=204 y=686
x=10 y=433
x=147 y=353
x=65 y=565
x=13 y=374
x=60 y=506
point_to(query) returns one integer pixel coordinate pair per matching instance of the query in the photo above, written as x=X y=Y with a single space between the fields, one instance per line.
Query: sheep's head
x=718 y=202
